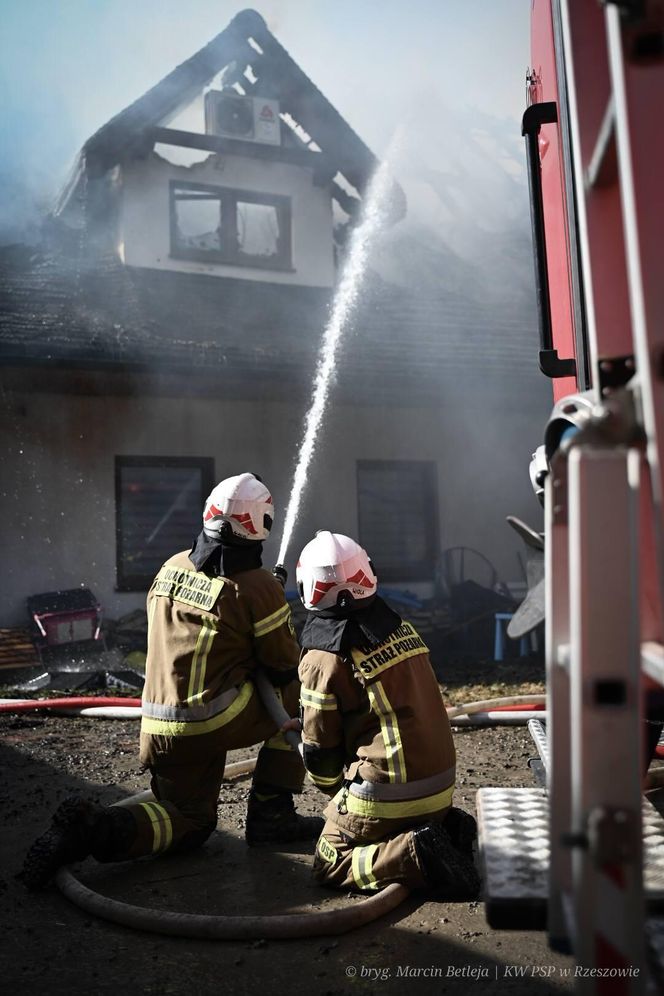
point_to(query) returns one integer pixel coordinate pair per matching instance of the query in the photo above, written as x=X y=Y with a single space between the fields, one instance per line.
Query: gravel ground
x=51 y=946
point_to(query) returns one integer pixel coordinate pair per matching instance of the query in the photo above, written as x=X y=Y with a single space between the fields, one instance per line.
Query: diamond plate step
x=537 y=730
x=513 y=830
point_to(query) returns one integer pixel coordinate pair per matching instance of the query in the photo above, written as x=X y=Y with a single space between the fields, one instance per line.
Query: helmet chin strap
x=228 y=538
x=346 y=602
x=226 y=532
x=346 y=606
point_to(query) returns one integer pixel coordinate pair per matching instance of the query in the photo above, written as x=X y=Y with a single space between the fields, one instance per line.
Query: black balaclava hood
x=223 y=559
x=339 y=630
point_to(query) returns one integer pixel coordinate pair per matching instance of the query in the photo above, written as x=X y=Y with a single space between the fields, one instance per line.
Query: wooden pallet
x=17 y=649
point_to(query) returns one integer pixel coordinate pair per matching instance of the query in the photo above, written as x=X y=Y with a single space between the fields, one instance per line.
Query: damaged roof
x=69 y=306
x=404 y=347
x=245 y=43
x=58 y=310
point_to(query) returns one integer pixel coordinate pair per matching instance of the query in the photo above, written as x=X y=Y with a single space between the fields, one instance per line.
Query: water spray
x=344 y=303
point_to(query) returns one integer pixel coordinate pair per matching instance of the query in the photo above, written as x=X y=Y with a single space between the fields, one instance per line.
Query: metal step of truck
x=513 y=830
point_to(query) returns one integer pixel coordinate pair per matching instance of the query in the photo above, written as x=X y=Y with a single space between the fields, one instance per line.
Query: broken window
x=198 y=221
x=257 y=229
x=158 y=502
x=398 y=517
x=222 y=225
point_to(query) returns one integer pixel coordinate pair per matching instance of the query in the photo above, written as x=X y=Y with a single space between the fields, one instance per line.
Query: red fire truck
x=585 y=855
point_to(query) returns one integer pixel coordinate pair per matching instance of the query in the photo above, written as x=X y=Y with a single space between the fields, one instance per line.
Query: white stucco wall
x=144 y=223
x=57 y=504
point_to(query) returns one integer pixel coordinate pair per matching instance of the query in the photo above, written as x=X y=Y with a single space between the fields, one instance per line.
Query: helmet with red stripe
x=239 y=507
x=334 y=571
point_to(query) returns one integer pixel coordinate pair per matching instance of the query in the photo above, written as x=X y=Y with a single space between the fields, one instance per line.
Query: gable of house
x=272 y=163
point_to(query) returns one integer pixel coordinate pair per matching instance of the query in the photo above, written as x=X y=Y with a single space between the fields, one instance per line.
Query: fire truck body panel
x=605 y=345
x=595 y=153
x=543 y=87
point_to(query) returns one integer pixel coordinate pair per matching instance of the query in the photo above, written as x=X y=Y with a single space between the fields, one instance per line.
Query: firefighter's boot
x=461 y=829
x=272 y=819
x=448 y=872
x=78 y=828
x=69 y=838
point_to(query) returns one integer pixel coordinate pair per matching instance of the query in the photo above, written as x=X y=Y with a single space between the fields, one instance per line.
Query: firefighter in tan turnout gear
x=214 y=616
x=375 y=734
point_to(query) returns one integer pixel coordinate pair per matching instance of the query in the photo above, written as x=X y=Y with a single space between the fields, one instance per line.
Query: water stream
x=344 y=302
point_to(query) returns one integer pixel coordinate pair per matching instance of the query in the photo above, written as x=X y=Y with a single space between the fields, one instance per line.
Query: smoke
x=452 y=75
x=66 y=69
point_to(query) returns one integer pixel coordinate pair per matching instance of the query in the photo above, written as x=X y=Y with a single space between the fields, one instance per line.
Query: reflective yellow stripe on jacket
x=192 y=728
x=346 y=801
x=322 y=780
x=322 y=701
x=272 y=622
x=199 y=662
x=389 y=726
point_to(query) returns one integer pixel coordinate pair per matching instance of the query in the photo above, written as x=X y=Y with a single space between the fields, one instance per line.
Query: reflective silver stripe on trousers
x=192 y=714
x=400 y=791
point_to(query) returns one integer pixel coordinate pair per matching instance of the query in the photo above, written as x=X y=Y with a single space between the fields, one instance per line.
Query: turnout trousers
x=344 y=862
x=368 y=843
x=187 y=772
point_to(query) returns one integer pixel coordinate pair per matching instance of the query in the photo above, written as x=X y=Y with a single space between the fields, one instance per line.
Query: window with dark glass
x=158 y=506
x=230 y=226
x=398 y=517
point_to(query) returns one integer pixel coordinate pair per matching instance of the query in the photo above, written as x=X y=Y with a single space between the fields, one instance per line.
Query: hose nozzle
x=281 y=574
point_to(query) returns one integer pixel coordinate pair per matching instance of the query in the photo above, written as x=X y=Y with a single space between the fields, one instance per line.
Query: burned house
x=166 y=331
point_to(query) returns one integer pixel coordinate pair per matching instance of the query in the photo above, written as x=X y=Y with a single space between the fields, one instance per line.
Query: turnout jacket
x=376 y=734
x=206 y=635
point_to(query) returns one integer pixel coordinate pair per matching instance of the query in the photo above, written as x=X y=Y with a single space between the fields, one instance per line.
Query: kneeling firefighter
x=214 y=616
x=375 y=735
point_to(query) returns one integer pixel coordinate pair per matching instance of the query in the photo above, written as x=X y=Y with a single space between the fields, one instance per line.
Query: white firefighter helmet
x=334 y=565
x=539 y=468
x=239 y=506
x=568 y=417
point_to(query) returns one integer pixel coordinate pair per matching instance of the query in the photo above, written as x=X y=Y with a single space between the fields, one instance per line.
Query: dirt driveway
x=50 y=946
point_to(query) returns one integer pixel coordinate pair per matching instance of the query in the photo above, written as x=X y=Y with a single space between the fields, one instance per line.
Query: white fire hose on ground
x=493 y=712
x=496 y=712
x=234 y=928
x=275 y=927
x=281 y=926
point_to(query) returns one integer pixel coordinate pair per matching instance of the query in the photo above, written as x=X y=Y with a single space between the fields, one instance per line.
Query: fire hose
x=281 y=926
x=214 y=927
x=234 y=928
x=73 y=702
x=508 y=709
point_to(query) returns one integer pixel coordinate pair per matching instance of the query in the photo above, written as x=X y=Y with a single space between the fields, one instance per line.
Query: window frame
x=425 y=568
x=126 y=581
x=229 y=254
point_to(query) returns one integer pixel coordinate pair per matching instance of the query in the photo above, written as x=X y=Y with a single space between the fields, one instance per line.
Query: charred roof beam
x=245 y=42
x=228 y=146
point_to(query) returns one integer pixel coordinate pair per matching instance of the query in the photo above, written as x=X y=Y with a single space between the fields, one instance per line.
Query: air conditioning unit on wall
x=249 y=119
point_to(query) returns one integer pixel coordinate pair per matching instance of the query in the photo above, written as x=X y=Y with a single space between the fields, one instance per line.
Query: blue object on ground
x=499 y=639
